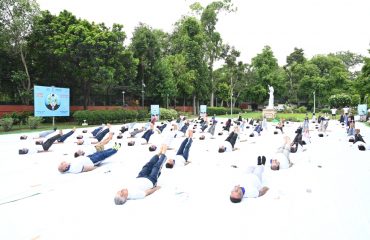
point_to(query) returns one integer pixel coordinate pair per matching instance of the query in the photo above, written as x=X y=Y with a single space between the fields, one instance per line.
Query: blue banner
x=203 y=110
x=154 y=110
x=51 y=101
x=362 y=109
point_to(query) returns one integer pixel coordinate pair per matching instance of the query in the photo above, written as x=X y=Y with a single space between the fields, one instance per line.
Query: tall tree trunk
x=212 y=82
x=28 y=85
x=86 y=94
x=194 y=105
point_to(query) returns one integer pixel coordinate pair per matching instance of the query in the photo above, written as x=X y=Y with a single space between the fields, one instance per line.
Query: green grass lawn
x=297 y=117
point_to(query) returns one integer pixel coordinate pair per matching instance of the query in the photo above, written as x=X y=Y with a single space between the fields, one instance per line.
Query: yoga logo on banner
x=51 y=101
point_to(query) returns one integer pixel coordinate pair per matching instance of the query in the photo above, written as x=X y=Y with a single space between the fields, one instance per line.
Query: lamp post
x=142 y=93
x=314 y=101
x=123 y=98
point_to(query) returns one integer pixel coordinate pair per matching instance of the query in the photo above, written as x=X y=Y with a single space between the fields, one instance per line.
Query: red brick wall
x=4 y=109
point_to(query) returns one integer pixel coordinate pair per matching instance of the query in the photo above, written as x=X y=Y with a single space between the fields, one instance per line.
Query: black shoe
x=259 y=160
x=263 y=160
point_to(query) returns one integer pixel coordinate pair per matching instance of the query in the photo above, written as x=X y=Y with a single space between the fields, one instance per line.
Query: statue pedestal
x=269 y=113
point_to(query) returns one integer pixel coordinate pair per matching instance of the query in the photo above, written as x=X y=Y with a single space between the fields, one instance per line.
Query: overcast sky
x=316 y=26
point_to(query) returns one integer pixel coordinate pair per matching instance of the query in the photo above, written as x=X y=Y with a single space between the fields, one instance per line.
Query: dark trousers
x=101 y=135
x=184 y=128
x=147 y=134
x=98 y=157
x=232 y=138
x=162 y=127
x=184 y=148
x=96 y=131
x=152 y=169
x=212 y=129
x=258 y=129
x=133 y=133
x=47 y=144
x=65 y=136
x=297 y=140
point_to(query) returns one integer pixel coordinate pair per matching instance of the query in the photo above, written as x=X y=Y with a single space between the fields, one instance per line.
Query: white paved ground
x=304 y=202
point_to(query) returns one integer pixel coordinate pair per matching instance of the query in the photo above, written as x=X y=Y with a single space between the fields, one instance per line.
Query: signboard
x=362 y=109
x=203 y=110
x=154 y=110
x=51 y=101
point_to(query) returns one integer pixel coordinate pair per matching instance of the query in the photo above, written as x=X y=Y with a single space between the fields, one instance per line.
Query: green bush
x=340 y=100
x=302 y=109
x=325 y=110
x=105 y=116
x=34 y=122
x=6 y=123
x=143 y=115
x=166 y=114
x=217 y=111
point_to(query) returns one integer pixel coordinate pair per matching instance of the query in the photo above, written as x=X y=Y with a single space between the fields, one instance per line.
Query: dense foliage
x=156 y=67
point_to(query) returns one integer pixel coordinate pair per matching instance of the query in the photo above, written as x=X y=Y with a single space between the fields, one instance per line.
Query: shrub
x=166 y=114
x=302 y=109
x=6 y=123
x=143 y=115
x=34 y=122
x=325 y=110
x=216 y=111
x=340 y=100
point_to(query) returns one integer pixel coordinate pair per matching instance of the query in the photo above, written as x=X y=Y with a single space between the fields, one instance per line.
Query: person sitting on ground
x=182 y=155
x=358 y=136
x=229 y=143
x=351 y=128
x=249 y=185
x=281 y=158
x=146 y=182
x=88 y=163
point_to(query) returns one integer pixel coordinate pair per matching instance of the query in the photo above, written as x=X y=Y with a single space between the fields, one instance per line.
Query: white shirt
x=345 y=110
x=228 y=146
x=333 y=111
x=283 y=160
x=137 y=188
x=251 y=185
x=179 y=160
x=78 y=164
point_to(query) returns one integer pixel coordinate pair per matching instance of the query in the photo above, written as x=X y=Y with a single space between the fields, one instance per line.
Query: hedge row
x=221 y=111
x=119 y=116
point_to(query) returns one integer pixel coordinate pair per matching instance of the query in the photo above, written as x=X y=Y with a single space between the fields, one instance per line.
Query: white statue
x=271 y=99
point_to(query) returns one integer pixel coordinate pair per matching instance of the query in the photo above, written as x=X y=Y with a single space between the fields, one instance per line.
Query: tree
x=351 y=62
x=292 y=69
x=188 y=40
x=146 y=47
x=362 y=82
x=266 y=72
x=213 y=40
x=16 y=17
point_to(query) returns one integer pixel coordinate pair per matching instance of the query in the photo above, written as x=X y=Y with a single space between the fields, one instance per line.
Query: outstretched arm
x=152 y=190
